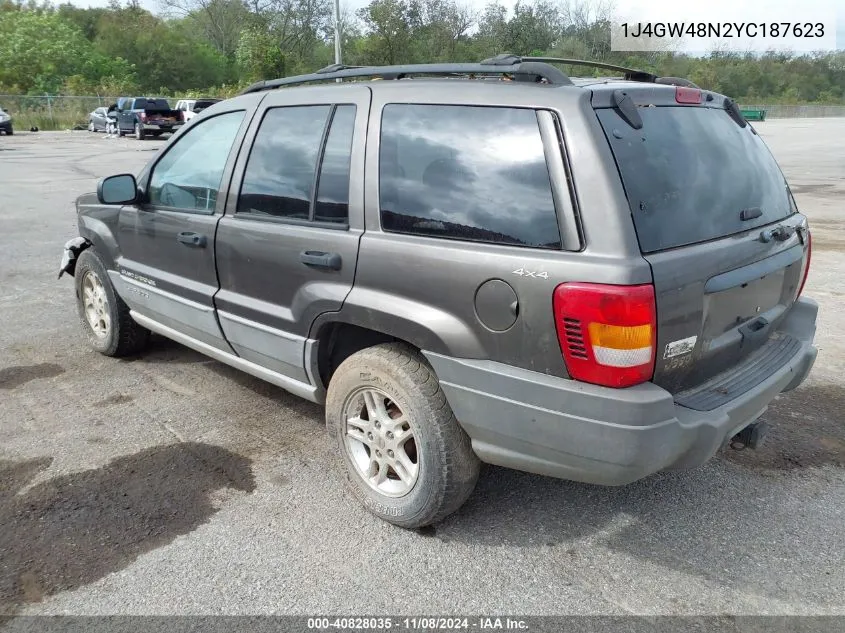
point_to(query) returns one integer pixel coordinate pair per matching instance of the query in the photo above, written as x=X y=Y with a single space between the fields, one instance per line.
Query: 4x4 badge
x=530 y=273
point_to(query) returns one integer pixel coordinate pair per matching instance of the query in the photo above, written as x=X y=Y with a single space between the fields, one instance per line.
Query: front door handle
x=319 y=259
x=192 y=239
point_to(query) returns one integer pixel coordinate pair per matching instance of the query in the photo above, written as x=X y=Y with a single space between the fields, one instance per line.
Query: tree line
x=218 y=46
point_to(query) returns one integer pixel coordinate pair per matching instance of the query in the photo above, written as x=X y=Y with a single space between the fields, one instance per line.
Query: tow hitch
x=749 y=437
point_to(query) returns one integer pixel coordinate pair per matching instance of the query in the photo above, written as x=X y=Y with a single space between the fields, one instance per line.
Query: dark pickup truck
x=143 y=116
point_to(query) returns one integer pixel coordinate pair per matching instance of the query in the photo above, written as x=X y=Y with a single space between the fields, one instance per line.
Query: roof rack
x=631 y=74
x=528 y=70
x=531 y=69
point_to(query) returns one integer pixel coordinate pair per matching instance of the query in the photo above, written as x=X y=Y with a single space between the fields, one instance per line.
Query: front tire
x=91 y=127
x=105 y=317
x=406 y=458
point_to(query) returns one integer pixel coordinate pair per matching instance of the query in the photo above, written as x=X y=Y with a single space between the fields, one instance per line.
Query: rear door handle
x=191 y=239
x=319 y=259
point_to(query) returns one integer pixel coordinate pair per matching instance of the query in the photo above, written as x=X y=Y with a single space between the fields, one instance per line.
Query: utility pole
x=337 y=51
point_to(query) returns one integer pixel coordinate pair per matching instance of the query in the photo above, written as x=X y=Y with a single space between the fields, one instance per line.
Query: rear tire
x=105 y=317
x=387 y=392
x=139 y=132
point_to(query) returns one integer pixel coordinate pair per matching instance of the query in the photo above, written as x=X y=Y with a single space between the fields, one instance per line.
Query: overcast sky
x=670 y=10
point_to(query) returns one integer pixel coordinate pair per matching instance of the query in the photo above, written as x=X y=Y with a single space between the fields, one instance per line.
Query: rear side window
x=689 y=174
x=466 y=173
x=280 y=180
x=333 y=187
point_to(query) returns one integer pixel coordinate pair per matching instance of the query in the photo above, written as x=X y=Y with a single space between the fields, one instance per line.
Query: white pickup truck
x=191 y=107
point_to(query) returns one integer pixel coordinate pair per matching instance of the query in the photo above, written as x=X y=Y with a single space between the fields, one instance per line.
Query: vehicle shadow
x=74 y=529
x=732 y=521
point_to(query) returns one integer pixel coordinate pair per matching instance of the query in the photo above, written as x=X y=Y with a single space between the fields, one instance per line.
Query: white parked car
x=191 y=107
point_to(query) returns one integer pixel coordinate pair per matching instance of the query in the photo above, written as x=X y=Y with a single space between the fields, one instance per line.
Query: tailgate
x=719 y=302
x=718 y=225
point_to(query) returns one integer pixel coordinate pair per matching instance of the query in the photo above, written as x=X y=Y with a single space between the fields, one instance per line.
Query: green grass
x=60 y=115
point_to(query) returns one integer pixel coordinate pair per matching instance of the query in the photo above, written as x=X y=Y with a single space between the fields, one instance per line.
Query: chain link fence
x=51 y=112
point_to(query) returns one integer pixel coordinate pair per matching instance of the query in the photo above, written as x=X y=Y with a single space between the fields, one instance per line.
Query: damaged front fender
x=72 y=250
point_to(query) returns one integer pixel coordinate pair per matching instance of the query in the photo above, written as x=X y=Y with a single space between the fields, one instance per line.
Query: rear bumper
x=164 y=127
x=563 y=428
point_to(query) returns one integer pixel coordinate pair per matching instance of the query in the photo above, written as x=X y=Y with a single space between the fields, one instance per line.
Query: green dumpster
x=754 y=114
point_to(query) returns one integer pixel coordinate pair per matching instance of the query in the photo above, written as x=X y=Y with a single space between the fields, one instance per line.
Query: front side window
x=467 y=173
x=291 y=144
x=188 y=176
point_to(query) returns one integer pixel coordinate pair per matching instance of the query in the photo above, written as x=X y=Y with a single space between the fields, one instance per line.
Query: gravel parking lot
x=171 y=483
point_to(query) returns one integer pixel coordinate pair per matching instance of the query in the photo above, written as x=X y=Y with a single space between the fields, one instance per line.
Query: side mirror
x=120 y=189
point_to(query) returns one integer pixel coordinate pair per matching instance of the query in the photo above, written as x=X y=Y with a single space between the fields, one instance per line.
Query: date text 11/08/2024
x=418 y=623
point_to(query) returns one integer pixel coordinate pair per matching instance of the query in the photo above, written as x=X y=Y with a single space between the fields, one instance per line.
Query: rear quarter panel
x=423 y=289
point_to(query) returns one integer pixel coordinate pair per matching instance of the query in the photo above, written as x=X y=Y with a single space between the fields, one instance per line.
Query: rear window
x=466 y=173
x=690 y=172
x=202 y=105
x=152 y=104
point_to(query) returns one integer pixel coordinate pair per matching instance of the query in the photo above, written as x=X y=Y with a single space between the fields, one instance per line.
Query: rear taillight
x=806 y=270
x=607 y=333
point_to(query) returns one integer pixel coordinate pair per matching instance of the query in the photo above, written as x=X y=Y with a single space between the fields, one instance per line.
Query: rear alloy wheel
x=380 y=442
x=406 y=457
x=139 y=132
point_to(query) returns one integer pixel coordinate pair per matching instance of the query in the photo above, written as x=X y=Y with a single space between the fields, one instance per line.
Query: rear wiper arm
x=779 y=233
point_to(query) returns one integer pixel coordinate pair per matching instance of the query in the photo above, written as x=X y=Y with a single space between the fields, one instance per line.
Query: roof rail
x=528 y=70
x=532 y=69
x=631 y=74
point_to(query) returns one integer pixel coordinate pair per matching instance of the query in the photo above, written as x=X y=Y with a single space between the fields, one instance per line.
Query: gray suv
x=593 y=279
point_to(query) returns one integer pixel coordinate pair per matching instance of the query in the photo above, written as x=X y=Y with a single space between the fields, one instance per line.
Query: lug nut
x=370 y=435
x=378 y=453
x=389 y=435
x=378 y=425
x=390 y=453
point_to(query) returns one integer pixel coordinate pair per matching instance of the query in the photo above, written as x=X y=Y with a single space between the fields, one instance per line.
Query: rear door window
x=466 y=173
x=689 y=174
x=298 y=168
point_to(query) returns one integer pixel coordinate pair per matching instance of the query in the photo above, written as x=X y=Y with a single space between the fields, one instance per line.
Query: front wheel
x=91 y=127
x=406 y=458
x=105 y=317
